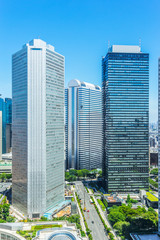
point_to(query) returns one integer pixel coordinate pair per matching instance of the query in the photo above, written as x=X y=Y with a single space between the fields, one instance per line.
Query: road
x=97 y=228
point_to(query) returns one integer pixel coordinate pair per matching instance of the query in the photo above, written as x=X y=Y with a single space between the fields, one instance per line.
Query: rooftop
x=125 y=49
x=151 y=197
x=144 y=236
x=77 y=83
x=38 y=43
x=56 y=208
x=7 y=156
x=112 y=198
x=61 y=234
x=5 y=164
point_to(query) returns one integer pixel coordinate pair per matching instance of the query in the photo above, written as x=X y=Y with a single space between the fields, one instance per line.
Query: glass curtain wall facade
x=38 y=128
x=6 y=108
x=0 y=135
x=66 y=127
x=125 y=87
x=159 y=145
x=84 y=121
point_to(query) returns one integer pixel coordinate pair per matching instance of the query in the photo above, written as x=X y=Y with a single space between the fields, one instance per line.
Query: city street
x=92 y=218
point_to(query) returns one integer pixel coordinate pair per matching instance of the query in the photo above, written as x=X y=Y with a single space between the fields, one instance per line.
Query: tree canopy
x=125 y=219
x=154 y=171
x=73 y=174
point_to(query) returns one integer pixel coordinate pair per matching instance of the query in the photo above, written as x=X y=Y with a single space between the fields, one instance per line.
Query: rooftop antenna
x=140 y=43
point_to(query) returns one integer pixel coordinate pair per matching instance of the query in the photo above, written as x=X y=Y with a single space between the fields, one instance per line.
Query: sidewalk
x=90 y=192
x=81 y=218
x=14 y=212
x=104 y=218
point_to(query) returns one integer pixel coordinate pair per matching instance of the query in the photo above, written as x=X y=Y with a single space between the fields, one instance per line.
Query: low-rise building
x=151 y=200
x=7 y=157
x=5 y=167
x=135 y=236
x=112 y=200
x=66 y=231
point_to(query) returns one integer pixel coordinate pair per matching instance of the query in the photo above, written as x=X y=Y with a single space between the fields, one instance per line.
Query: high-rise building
x=0 y=135
x=38 y=128
x=83 y=125
x=159 y=144
x=6 y=108
x=66 y=127
x=8 y=132
x=125 y=94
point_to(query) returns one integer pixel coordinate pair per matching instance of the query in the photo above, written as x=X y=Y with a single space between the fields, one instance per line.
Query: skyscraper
x=66 y=127
x=8 y=132
x=38 y=128
x=83 y=110
x=159 y=144
x=125 y=90
x=0 y=135
x=6 y=108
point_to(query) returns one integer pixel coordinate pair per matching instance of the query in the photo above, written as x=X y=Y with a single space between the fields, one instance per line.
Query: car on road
x=87 y=210
x=92 y=221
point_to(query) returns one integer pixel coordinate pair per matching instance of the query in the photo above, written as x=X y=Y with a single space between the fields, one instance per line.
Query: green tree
x=5 y=209
x=85 y=172
x=128 y=199
x=152 y=182
x=79 y=173
x=73 y=172
x=69 y=177
x=100 y=173
x=10 y=219
x=3 y=176
x=122 y=228
x=9 y=176
x=154 y=171
x=72 y=178
x=115 y=216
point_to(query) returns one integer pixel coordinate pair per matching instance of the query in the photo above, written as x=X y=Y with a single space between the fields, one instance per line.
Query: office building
x=83 y=125
x=8 y=138
x=0 y=135
x=125 y=94
x=38 y=128
x=159 y=145
x=66 y=127
x=6 y=108
x=8 y=103
x=152 y=142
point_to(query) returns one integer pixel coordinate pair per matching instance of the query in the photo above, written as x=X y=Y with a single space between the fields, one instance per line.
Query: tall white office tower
x=38 y=128
x=159 y=145
x=83 y=125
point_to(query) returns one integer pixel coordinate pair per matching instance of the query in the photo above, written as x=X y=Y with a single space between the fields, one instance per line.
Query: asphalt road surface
x=92 y=218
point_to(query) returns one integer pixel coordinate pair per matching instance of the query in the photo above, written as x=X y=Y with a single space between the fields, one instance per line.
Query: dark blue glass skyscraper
x=125 y=89
x=6 y=108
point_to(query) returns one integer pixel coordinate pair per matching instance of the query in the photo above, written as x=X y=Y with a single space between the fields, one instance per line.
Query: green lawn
x=151 y=197
x=30 y=234
x=40 y=227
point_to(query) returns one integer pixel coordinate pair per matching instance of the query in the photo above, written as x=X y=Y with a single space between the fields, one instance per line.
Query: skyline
x=81 y=29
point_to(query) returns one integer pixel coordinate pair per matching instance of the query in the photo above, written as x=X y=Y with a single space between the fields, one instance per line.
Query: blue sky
x=80 y=30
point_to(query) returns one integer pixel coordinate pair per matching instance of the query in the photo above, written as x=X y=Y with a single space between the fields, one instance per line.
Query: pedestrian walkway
x=81 y=217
